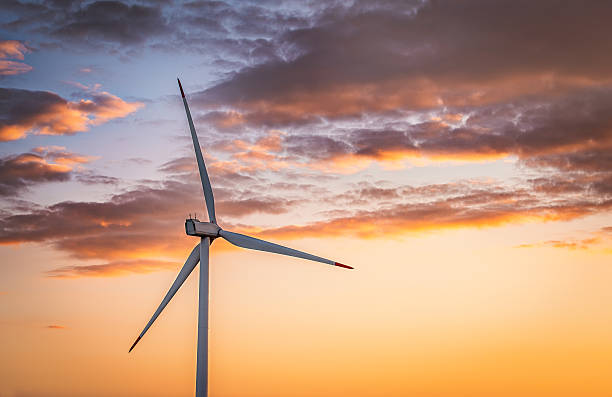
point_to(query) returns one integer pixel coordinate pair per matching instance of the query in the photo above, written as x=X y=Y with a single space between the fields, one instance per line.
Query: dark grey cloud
x=91 y=178
x=316 y=147
x=112 y=21
x=87 y=23
x=234 y=32
x=20 y=171
x=43 y=165
x=595 y=160
x=367 y=58
x=24 y=107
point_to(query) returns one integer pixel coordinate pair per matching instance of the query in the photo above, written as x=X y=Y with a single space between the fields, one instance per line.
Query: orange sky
x=411 y=319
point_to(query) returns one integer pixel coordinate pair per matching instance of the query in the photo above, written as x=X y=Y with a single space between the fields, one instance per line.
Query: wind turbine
x=208 y=231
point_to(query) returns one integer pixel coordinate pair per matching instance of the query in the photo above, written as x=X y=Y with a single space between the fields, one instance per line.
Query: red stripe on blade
x=341 y=265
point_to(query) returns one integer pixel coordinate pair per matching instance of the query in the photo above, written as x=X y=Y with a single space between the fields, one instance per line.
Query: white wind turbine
x=208 y=231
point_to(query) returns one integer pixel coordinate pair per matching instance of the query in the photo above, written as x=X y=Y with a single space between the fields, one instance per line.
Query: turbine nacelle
x=194 y=227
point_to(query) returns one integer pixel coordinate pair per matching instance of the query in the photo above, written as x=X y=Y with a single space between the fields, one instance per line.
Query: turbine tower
x=207 y=232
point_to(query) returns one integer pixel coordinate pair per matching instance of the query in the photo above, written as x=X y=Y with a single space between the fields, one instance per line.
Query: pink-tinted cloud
x=12 y=49
x=11 y=68
x=42 y=164
x=24 y=112
x=251 y=157
x=60 y=155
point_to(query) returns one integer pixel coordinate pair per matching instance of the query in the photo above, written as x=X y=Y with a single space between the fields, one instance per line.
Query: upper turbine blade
x=208 y=194
x=243 y=241
x=189 y=265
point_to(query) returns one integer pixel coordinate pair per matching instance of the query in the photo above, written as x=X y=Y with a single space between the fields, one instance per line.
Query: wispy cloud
x=13 y=49
x=55 y=327
x=137 y=231
x=112 y=269
x=441 y=214
x=141 y=230
x=599 y=238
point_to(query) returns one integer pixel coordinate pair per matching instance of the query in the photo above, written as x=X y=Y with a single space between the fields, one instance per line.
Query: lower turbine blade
x=243 y=241
x=188 y=267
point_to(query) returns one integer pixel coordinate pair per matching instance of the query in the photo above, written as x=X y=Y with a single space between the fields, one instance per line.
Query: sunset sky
x=458 y=154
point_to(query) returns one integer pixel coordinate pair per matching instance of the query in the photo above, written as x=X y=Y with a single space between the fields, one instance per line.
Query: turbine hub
x=194 y=227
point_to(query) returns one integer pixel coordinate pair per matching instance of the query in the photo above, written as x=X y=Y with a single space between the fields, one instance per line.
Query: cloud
x=424 y=81
x=245 y=206
x=587 y=160
x=60 y=155
x=45 y=164
x=10 y=68
x=55 y=326
x=348 y=84
x=91 y=178
x=13 y=49
x=470 y=209
x=20 y=171
x=112 y=21
x=141 y=230
x=233 y=34
x=250 y=157
x=112 y=269
x=137 y=231
x=372 y=59
x=571 y=133
x=24 y=112
x=87 y=23
x=598 y=238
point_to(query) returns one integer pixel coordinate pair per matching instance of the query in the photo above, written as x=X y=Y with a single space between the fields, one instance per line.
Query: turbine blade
x=243 y=241
x=188 y=267
x=208 y=194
